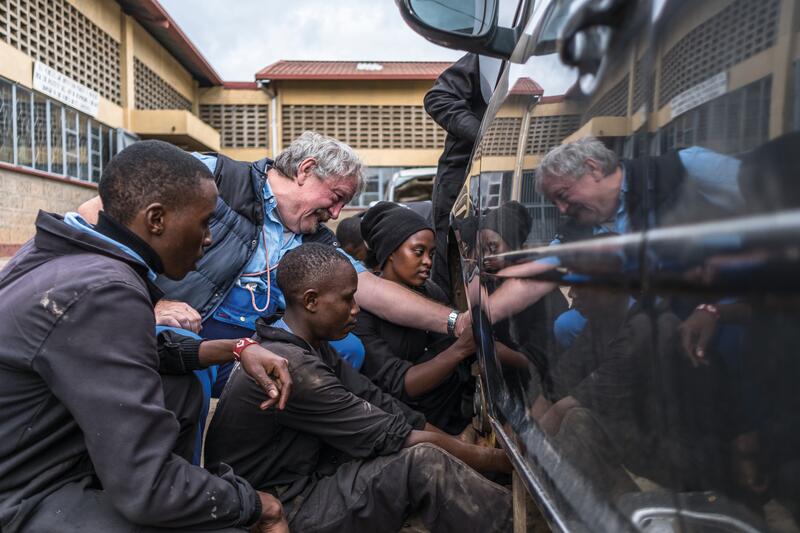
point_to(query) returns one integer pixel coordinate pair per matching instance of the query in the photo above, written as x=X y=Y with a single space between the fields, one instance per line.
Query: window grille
x=151 y=91
x=40 y=133
x=741 y=30
x=545 y=217
x=57 y=34
x=240 y=125
x=614 y=103
x=733 y=123
x=545 y=133
x=383 y=127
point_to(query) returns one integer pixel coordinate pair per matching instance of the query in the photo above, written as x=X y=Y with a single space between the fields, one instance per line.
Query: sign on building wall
x=699 y=94
x=64 y=89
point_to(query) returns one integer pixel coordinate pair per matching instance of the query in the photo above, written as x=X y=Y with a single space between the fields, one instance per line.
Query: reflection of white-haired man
x=267 y=208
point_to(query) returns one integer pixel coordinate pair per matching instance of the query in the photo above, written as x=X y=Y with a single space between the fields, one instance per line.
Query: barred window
x=57 y=34
x=240 y=125
x=544 y=215
x=361 y=126
x=733 y=123
x=151 y=91
x=736 y=33
x=545 y=133
x=40 y=133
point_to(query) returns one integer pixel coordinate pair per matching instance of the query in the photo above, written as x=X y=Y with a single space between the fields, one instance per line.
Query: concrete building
x=81 y=79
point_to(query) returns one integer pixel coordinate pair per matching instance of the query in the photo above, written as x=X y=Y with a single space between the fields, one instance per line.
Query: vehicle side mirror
x=469 y=25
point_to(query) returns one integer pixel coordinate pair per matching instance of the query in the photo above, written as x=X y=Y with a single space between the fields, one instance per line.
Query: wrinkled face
x=492 y=244
x=588 y=199
x=411 y=263
x=186 y=232
x=314 y=200
x=337 y=304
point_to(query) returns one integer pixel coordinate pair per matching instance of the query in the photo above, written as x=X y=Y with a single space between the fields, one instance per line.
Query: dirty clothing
x=455 y=103
x=378 y=496
x=83 y=403
x=392 y=350
x=335 y=455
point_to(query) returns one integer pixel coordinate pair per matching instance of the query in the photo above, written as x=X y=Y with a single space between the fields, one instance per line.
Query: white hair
x=333 y=157
x=568 y=161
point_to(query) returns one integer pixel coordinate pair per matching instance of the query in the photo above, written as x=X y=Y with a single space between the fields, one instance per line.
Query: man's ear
x=305 y=170
x=311 y=300
x=595 y=169
x=154 y=219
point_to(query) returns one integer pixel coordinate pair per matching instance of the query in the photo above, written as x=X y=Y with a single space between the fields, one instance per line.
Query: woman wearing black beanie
x=408 y=363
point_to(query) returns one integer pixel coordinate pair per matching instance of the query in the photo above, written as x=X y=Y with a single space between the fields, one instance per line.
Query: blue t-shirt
x=256 y=294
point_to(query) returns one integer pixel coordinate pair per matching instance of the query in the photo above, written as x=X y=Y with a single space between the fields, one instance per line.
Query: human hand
x=177 y=315
x=465 y=344
x=696 y=333
x=463 y=323
x=260 y=364
x=272 y=519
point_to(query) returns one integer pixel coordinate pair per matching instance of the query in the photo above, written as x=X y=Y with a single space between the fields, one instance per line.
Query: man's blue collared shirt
x=258 y=294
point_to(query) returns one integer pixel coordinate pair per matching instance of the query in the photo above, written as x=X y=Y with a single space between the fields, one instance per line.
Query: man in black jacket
x=93 y=438
x=456 y=104
x=343 y=455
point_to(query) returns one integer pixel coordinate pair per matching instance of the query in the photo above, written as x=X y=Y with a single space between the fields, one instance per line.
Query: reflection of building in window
x=495 y=188
x=544 y=215
x=547 y=132
x=501 y=138
x=732 y=123
x=614 y=103
x=734 y=34
x=40 y=133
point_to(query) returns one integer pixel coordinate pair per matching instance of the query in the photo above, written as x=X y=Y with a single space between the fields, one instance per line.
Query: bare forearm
x=426 y=376
x=399 y=305
x=216 y=352
x=515 y=295
x=480 y=458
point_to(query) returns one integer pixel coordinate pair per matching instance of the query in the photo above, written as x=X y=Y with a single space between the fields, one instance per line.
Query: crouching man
x=92 y=437
x=343 y=456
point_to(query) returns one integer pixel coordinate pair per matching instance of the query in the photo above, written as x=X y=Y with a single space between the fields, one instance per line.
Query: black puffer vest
x=235 y=225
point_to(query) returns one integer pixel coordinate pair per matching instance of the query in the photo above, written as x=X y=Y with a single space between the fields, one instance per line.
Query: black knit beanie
x=512 y=221
x=386 y=225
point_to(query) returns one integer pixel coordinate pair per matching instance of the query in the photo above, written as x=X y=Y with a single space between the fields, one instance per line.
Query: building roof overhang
x=155 y=19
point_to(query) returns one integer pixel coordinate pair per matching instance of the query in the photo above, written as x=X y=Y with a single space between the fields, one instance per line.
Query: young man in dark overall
x=344 y=456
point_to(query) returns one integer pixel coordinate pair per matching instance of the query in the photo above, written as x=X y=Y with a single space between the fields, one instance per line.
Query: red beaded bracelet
x=241 y=344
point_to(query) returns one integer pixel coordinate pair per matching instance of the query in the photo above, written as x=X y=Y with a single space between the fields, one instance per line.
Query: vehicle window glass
x=620 y=229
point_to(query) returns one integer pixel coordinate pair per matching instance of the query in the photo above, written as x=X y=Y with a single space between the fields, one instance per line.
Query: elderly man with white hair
x=265 y=209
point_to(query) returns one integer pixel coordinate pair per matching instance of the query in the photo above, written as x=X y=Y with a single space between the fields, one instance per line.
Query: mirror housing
x=434 y=22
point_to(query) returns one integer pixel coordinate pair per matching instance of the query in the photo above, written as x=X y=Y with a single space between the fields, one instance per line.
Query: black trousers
x=82 y=506
x=445 y=191
x=377 y=495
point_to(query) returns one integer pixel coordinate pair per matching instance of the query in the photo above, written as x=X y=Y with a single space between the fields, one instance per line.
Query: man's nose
x=335 y=209
x=562 y=206
x=207 y=239
x=355 y=309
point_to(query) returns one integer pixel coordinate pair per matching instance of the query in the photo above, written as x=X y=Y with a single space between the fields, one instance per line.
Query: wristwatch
x=451 y=322
x=239 y=347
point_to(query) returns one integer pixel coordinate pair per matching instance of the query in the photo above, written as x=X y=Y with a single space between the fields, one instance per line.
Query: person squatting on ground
x=265 y=209
x=343 y=455
x=93 y=437
x=424 y=370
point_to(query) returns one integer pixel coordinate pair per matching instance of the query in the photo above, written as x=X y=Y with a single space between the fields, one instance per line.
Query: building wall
x=22 y=195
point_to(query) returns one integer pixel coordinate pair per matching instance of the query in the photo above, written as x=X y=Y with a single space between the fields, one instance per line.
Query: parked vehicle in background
x=411 y=185
x=665 y=398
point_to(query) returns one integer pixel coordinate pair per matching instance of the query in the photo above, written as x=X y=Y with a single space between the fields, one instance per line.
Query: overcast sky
x=240 y=37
